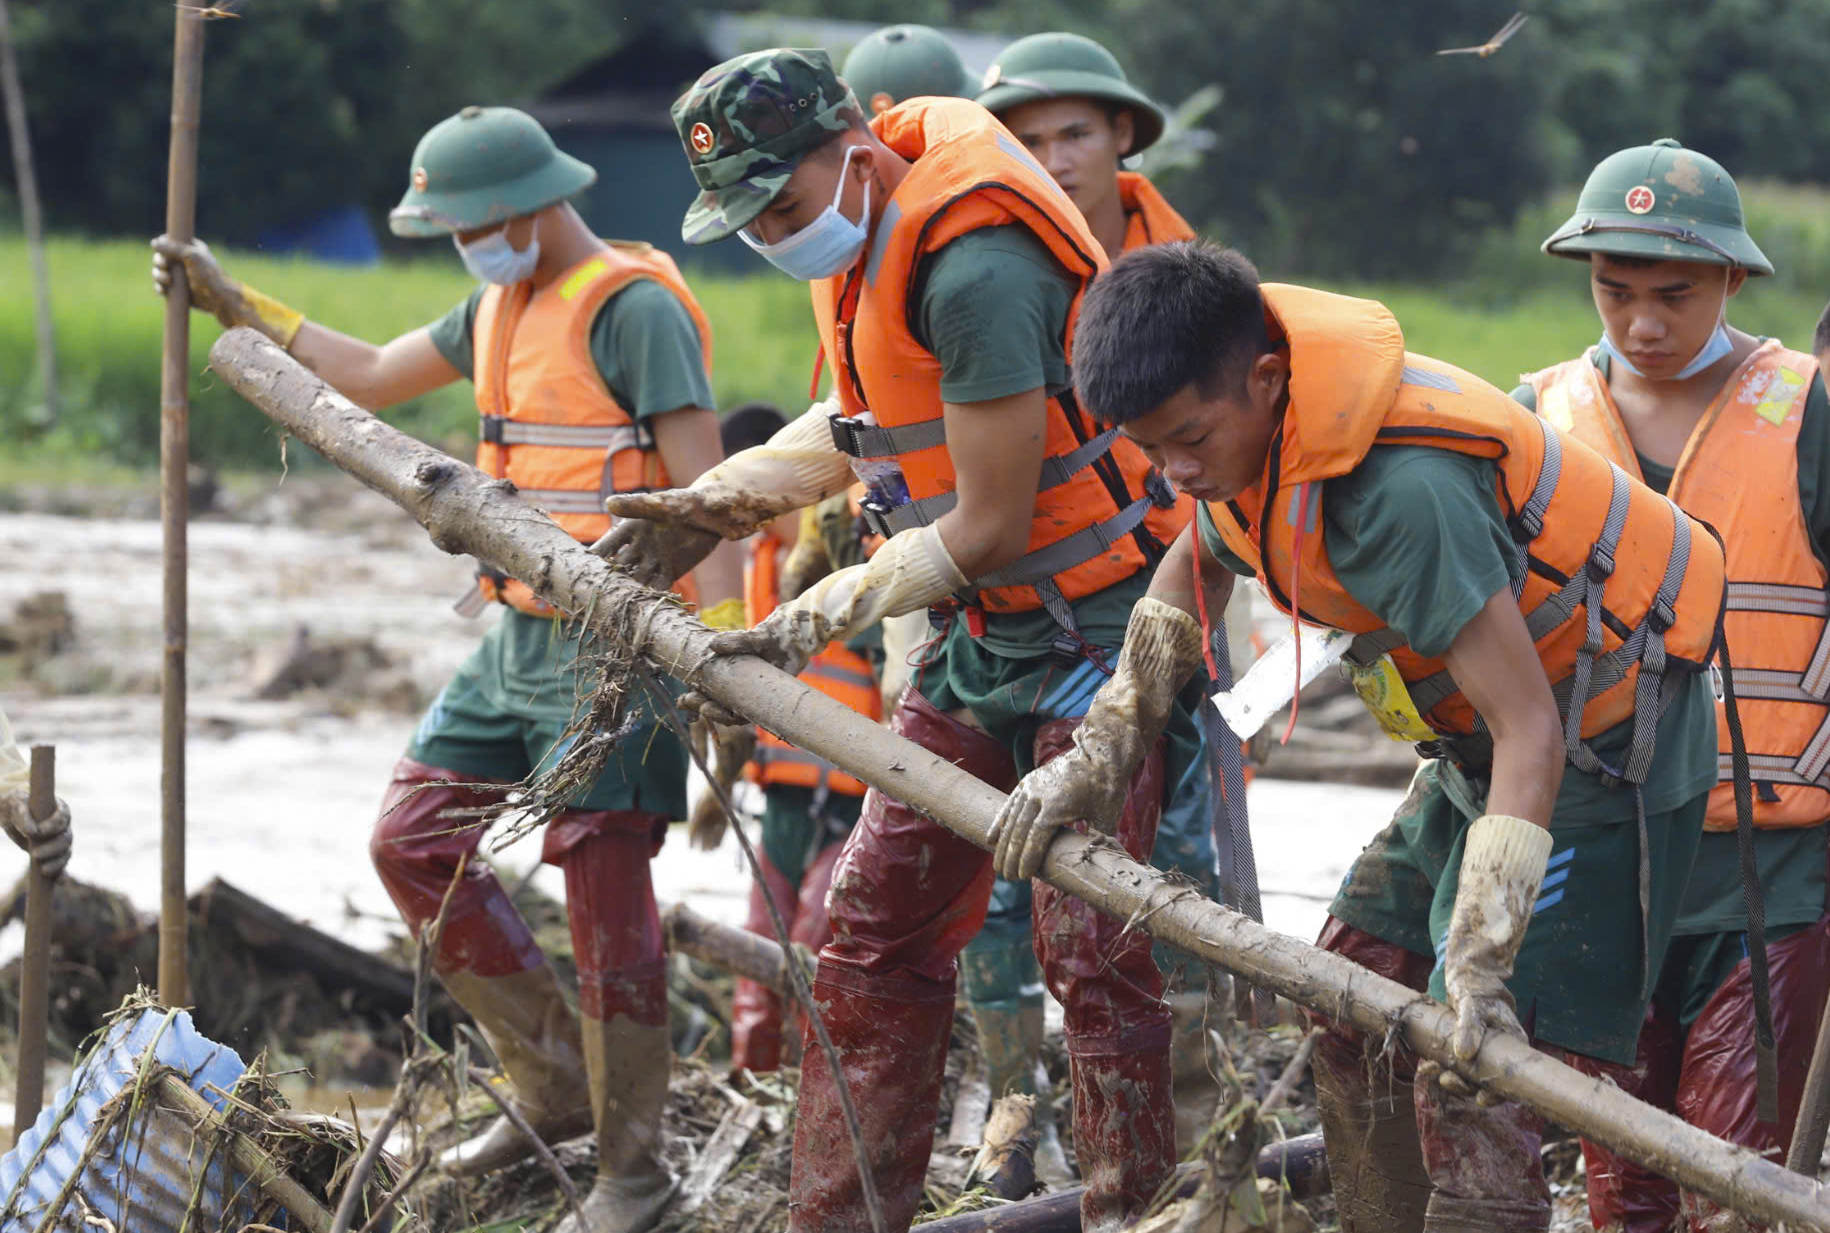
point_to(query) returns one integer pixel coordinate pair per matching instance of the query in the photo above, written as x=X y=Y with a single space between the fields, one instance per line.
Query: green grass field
x=1515 y=310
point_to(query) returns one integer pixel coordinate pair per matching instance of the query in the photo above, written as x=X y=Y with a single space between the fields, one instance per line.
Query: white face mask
x=494 y=260
x=827 y=245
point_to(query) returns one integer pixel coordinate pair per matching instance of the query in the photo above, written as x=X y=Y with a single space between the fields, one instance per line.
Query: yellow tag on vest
x=1381 y=688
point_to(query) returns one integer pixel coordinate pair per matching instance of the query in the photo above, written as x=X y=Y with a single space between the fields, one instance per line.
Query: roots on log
x=467 y=512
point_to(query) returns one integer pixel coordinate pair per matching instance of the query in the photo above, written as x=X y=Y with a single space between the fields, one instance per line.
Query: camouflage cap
x=746 y=124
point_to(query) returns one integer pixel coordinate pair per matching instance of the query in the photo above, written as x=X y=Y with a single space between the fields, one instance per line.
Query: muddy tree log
x=1300 y=1163
x=466 y=512
x=734 y=950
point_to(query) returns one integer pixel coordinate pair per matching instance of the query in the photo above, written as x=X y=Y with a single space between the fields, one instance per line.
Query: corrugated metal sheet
x=140 y=1173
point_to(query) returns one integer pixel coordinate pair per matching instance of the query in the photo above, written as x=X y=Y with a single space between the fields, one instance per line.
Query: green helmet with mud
x=483 y=166
x=904 y=62
x=1062 y=65
x=1660 y=203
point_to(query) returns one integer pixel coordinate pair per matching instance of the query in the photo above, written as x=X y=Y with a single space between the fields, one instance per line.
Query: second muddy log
x=467 y=512
x=734 y=950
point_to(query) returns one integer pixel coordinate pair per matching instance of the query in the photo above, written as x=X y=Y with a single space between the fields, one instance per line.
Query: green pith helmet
x=1664 y=203
x=485 y=165
x=1061 y=65
x=904 y=62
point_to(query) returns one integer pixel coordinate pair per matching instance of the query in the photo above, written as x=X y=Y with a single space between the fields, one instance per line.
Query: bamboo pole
x=19 y=134
x=467 y=513
x=175 y=500
x=35 y=974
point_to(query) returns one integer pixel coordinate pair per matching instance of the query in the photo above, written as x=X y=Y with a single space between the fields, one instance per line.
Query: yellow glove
x=725 y=614
x=214 y=292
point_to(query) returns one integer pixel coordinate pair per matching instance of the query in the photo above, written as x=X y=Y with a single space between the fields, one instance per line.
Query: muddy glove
x=1088 y=783
x=1502 y=866
x=45 y=840
x=214 y=292
x=910 y=571
x=658 y=536
x=730 y=749
x=808 y=561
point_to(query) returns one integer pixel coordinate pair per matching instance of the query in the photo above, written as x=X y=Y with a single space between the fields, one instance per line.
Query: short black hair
x=1164 y=317
x=1820 y=342
x=750 y=424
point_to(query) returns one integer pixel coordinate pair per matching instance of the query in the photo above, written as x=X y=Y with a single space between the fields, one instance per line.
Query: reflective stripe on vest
x=1739 y=472
x=1620 y=588
x=1099 y=515
x=500 y=431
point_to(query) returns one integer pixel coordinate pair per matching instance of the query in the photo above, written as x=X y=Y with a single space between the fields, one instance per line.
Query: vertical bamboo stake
x=35 y=978
x=21 y=141
x=1813 y=1108
x=174 y=497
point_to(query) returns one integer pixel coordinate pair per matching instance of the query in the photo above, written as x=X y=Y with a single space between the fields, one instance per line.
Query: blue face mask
x=1719 y=345
x=824 y=247
x=494 y=260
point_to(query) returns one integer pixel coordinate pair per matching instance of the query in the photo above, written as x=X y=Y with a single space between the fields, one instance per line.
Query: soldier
x=1736 y=430
x=1067 y=100
x=1473 y=551
x=898 y=63
x=947 y=271
x=590 y=366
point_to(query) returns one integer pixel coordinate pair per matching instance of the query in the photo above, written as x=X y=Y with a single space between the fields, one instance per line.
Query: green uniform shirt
x=1791 y=861
x=992 y=308
x=646 y=345
x=1416 y=536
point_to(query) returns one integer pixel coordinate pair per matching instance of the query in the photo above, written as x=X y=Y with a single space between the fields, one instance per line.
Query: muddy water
x=281 y=795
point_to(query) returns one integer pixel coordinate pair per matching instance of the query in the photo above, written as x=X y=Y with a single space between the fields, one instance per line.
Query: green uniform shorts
x=1586 y=970
x=508 y=711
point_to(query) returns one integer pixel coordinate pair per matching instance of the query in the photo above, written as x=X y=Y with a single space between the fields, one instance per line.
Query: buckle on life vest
x=491 y=429
x=875 y=515
x=1662 y=617
x=1067 y=650
x=1157 y=487
x=1601 y=563
x=845 y=430
x=1527 y=526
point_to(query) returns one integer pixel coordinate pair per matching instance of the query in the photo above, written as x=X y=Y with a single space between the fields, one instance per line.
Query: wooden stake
x=29 y=212
x=35 y=978
x=1807 y=1152
x=174 y=498
x=467 y=512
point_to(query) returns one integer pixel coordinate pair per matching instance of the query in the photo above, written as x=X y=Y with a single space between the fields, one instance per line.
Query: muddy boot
x=629 y=1065
x=1485 y=1165
x=1011 y=1042
x=891 y=1033
x=535 y=1037
x=1124 y=1129
x=1197 y=1094
x=1364 y=1094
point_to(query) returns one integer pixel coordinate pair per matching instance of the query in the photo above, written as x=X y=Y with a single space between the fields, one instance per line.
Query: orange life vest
x=549 y=424
x=1102 y=513
x=1619 y=589
x=838 y=672
x=1739 y=473
x=1148 y=218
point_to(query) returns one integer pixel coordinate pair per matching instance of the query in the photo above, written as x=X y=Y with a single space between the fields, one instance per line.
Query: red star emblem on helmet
x=701 y=137
x=1640 y=199
x=419 y=178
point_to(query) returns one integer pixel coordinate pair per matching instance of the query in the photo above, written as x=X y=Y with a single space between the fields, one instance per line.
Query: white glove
x=1088 y=782
x=912 y=570
x=46 y=840
x=1502 y=868
x=656 y=531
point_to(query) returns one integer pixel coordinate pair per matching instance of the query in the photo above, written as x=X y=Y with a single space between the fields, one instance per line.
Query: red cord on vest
x=1303 y=493
x=819 y=362
x=1207 y=631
